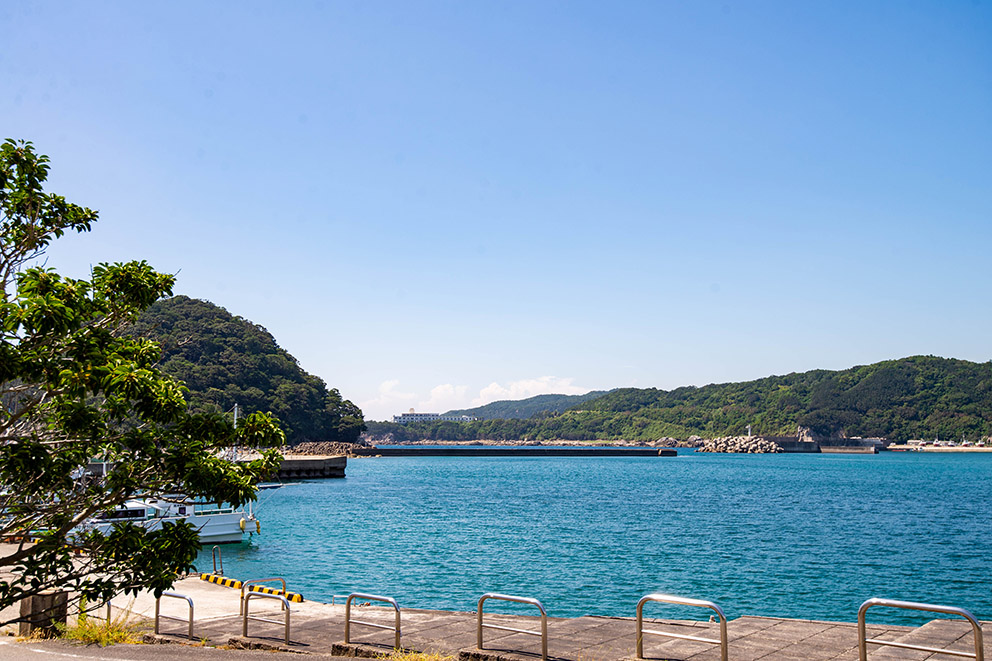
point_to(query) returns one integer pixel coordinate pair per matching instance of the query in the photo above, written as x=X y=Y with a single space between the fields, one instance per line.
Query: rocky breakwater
x=327 y=449
x=740 y=444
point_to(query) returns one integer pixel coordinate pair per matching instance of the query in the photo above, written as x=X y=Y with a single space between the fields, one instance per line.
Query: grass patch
x=90 y=630
x=415 y=656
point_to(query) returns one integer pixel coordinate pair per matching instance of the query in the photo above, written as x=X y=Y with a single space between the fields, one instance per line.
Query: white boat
x=218 y=524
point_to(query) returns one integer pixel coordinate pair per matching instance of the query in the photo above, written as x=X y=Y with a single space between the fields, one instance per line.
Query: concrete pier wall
x=793 y=444
x=303 y=467
x=524 y=451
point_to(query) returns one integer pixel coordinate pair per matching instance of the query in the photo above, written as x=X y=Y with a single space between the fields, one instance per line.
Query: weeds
x=97 y=630
x=399 y=655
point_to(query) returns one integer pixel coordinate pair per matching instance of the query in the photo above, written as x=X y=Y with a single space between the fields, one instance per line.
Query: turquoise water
x=805 y=536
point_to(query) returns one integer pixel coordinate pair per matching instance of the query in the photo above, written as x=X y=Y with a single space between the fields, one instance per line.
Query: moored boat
x=216 y=523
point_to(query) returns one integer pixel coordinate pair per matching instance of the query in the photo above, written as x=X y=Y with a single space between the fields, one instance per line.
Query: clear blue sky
x=437 y=204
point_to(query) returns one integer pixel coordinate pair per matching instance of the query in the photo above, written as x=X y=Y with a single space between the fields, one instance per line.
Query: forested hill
x=916 y=397
x=226 y=360
x=525 y=408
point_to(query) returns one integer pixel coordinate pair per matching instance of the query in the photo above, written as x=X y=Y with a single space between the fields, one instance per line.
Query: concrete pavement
x=318 y=629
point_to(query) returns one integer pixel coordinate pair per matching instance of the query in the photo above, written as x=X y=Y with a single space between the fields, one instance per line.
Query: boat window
x=122 y=514
x=212 y=508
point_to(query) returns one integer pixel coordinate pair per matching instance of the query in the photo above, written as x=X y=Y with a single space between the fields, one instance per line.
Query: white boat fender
x=241 y=524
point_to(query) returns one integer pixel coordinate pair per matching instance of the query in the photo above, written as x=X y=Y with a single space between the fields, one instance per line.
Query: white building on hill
x=413 y=416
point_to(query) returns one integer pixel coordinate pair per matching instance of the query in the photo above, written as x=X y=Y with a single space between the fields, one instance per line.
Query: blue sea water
x=789 y=535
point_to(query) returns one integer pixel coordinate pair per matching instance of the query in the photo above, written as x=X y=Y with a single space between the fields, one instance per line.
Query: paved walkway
x=319 y=629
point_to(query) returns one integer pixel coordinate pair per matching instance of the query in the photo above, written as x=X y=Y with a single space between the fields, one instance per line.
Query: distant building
x=412 y=416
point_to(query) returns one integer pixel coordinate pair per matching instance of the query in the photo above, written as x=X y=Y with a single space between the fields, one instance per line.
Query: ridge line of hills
x=913 y=397
x=528 y=407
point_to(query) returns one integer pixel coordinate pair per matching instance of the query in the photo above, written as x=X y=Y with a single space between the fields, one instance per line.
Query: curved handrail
x=361 y=595
x=256 y=581
x=680 y=601
x=216 y=554
x=262 y=595
x=174 y=595
x=543 y=633
x=863 y=640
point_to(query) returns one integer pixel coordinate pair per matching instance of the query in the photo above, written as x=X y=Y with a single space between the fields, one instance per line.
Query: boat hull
x=213 y=528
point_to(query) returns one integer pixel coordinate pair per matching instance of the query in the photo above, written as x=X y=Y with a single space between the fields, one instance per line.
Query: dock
x=318 y=629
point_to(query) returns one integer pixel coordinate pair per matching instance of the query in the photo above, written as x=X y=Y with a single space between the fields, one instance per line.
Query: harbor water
x=789 y=535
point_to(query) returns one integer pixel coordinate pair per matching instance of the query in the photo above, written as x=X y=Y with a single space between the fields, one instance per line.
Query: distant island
x=919 y=397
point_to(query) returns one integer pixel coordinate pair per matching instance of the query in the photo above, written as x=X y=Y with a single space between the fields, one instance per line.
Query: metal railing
x=261 y=595
x=543 y=633
x=256 y=581
x=217 y=555
x=348 y=621
x=680 y=601
x=863 y=640
x=174 y=595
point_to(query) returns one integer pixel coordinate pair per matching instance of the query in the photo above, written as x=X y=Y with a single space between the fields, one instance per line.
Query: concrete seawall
x=303 y=467
x=793 y=444
x=848 y=449
x=526 y=451
x=831 y=446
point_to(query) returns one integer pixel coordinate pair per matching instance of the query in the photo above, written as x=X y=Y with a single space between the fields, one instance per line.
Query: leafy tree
x=74 y=386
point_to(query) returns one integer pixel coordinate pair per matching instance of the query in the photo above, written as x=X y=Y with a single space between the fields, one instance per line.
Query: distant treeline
x=526 y=408
x=916 y=397
x=226 y=360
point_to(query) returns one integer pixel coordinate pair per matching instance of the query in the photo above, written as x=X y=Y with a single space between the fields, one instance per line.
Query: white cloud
x=390 y=400
x=525 y=388
x=387 y=398
x=444 y=397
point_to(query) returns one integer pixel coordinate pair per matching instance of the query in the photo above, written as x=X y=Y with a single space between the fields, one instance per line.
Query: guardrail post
x=256 y=581
x=216 y=554
x=863 y=639
x=543 y=633
x=376 y=625
x=261 y=595
x=174 y=595
x=680 y=601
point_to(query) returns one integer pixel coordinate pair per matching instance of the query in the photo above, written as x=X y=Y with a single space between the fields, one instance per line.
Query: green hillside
x=916 y=397
x=226 y=360
x=526 y=408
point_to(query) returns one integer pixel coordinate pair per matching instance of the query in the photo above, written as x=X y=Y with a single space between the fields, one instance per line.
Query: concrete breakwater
x=521 y=451
x=777 y=444
x=297 y=467
x=804 y=443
